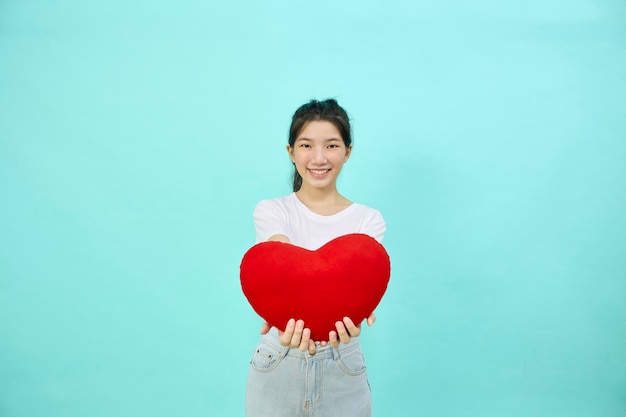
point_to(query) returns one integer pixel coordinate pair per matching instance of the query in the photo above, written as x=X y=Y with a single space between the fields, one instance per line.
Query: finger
x=332 y=339
x=371 y=319
x=265 y=328
x=285 y=337
x=312 y=348
x=306 y=338
x=296 y=337
x=342 y=332
x=352 y=329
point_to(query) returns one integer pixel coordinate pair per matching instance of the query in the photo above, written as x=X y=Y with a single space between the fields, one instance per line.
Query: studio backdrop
x=136 y=137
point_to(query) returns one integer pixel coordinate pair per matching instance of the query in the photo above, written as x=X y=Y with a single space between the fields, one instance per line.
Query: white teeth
x=319 y=171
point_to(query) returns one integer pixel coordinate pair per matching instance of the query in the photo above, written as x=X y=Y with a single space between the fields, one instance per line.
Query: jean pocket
x=266 y=357
x=352 y=363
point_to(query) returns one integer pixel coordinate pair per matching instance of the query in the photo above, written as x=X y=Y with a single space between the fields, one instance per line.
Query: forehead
x=319 y=130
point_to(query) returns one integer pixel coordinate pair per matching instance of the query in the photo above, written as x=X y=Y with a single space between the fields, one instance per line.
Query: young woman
x=290 y=374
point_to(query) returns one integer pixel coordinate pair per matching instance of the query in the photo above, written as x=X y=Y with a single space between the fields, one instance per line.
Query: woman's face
x=319 y=153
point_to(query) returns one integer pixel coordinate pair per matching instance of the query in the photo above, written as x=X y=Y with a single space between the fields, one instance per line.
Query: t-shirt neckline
x=321 y=216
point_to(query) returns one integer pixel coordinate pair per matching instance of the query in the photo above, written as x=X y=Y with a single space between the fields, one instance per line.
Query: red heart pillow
x=346 y=277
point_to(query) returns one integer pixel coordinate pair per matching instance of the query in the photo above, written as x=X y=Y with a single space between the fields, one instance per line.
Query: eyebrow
x=327 y=140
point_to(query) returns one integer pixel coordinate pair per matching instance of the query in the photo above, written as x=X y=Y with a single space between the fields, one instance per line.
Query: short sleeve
x=375 y=226
x=269 y=220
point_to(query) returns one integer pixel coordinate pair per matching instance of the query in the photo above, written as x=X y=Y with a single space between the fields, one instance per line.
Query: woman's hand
x=297 y=336
x=265 y=328
x=294 y=336
x=347 y=329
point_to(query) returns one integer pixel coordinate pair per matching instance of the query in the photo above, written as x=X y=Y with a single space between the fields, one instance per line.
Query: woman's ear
x=290 y=152
x=348 y=153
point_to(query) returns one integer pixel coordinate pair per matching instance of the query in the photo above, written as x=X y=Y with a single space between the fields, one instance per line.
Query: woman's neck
x=324 y=202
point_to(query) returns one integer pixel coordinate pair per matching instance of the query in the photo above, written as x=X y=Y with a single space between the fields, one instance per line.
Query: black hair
x=328 y=110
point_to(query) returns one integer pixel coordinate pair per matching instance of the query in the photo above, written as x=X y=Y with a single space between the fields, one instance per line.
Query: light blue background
x=136 y=138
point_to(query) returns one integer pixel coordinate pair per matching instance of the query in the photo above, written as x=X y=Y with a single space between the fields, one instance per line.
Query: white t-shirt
x=290 y=217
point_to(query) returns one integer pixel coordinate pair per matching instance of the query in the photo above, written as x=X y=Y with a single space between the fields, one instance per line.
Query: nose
x=319 y=155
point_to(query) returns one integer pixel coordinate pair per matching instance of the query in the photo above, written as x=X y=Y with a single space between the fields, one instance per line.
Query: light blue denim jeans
x=286 y=382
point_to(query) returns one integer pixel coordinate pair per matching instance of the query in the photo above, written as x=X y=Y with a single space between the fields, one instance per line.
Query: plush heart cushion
x=347 y=277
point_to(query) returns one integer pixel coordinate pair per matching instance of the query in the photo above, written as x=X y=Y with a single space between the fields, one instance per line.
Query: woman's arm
x=279 y=238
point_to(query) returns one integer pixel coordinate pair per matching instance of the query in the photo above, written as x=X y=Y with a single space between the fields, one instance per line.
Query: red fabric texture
x=347 y=277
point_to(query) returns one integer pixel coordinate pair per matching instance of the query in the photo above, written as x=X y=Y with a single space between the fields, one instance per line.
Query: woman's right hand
x=294 y=336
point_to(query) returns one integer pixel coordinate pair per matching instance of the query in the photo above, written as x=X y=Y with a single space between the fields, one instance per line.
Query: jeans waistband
x=322 y=352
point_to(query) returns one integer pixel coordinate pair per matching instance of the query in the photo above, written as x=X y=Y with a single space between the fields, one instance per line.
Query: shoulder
x=367 y=213
x=271 y=217
x=280 y=203
x=371 y=221
x=281 y=206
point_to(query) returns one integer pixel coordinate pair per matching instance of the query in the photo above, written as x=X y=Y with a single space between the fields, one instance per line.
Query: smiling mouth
x=319 y=172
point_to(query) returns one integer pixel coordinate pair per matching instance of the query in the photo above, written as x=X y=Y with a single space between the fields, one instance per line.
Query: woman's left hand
x=347 y=329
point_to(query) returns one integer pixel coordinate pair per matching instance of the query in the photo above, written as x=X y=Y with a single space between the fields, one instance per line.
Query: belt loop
x=335 y=353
